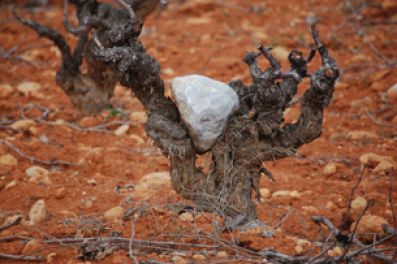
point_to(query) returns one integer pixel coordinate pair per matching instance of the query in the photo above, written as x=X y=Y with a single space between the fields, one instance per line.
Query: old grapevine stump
x=108 y=41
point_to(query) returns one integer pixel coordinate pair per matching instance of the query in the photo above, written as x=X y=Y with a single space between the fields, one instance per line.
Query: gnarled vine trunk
x=108 y=41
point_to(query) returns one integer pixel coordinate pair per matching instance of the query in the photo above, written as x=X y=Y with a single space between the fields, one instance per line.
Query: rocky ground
x=64 y=176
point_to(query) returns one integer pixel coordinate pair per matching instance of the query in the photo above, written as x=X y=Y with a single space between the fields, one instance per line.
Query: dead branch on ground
x=33 y=159
x=346 y=237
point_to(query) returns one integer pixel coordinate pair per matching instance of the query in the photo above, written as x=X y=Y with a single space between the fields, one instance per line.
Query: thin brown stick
x=334 y=232
x=271 y=253
x=347 y=215
x=137 y=242
x=391 y=203
x=353 y=234
x=131 y=243
x=21 y=257
x=388 y=229
x=96 y=129
x=33 y=159
x=9 y=55
x=14 y=238
x=390 y=198
x=323 y=220
x=358 y=252
x=44 y=112
x=377 y=122
x=283 y=219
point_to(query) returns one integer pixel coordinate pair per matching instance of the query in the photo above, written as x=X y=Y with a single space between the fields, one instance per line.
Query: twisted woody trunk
x=108 y=42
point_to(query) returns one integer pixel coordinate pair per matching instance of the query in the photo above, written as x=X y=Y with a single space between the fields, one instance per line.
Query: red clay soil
x=209 y=38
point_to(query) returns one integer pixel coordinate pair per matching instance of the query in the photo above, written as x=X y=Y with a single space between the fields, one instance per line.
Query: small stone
x=389 y=5
x=89 y=121
x=91 y=182
x=222 y=254
x=44 y=139
x=392 y=94
x=295 y=194
x=138 y=139
x=381 y=164
x=29 y=88
x=33 y=246
x=371 y=224
x=59 y=122
x=8 y=160
x=51 y=257
x=335 y=252
x=303 y=242
x=310 y=210
x=361 y=135
x=280 y=53
x=371 y=159
x=122 y=130
x=198 y=20
x=205 y=106
x=199 y=257
x=178 y=260
x=265 y=193
x=38 y=175
x=11 y=184
x=329 y=169
x=384 y=167
x=49 y=74
x=116 y=214
x=12 y=219
x=38 y=212
x=378 y=86
x=120 y=259
x=257 y=228
x=285 y=193
x=359 y=202
x=329 y=205
x=298 y=249
x=67 y=213
x=394 y=121
x=6 y=90
x=86 y=203
x=23 y=124
x=359 y=58
x=169 y=71
x=60 y=193
x=187 y=216
x=33 y=130
x=180 y=253
x=157 y=178
x=388 y=213
x=379 y=75
x=341 y=85
x=361 y=105
x=152 y=183
x=138 y=117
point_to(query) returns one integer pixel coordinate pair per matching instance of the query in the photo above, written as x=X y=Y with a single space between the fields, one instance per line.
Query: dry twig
x=33 y=159
x=21 y=257
x=130 y=244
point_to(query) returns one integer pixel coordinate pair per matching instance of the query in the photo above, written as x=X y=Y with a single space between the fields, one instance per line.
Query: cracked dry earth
x=69 y=176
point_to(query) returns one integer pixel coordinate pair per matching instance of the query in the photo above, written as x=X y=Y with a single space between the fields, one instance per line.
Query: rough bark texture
x=255 y=133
